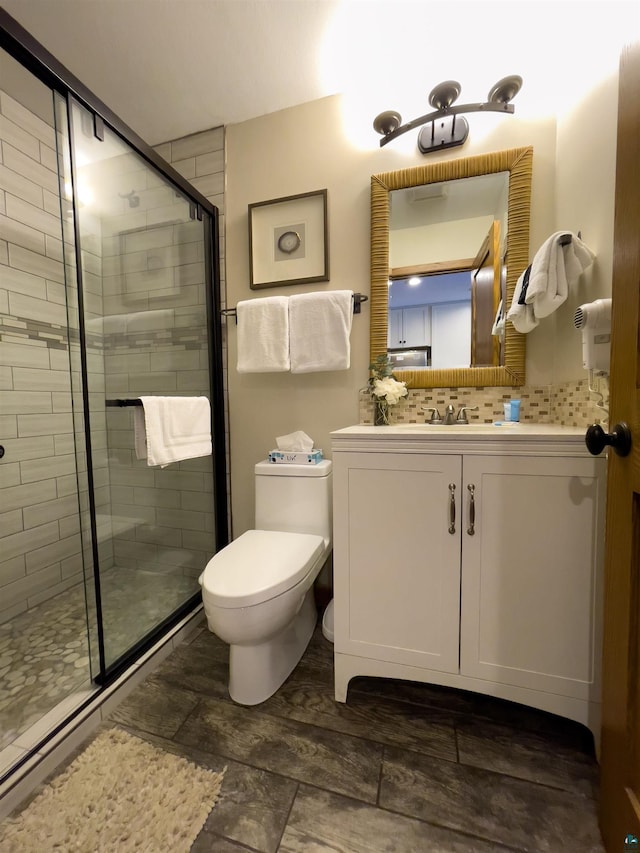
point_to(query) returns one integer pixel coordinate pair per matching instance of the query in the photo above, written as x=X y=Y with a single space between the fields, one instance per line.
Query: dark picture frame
x=288 y=240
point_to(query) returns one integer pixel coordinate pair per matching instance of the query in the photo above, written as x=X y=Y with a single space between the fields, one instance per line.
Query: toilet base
x=256 y=672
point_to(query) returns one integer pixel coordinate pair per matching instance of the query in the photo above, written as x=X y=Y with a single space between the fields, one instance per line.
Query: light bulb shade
x=505 y=90
x=387 y=122
x=444 y=94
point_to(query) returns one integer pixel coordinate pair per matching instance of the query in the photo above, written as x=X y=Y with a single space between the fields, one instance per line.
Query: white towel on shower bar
x=139 y=432
x=175 y=428
x=319 y=329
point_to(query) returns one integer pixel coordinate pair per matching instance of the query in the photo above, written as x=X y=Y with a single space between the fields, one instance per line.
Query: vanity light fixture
x=445 y=127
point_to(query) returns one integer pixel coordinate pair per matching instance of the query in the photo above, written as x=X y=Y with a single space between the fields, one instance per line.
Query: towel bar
x=121 y=403
x=358 y=299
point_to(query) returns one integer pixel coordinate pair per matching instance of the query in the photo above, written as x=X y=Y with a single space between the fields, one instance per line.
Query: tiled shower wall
x=39 y=534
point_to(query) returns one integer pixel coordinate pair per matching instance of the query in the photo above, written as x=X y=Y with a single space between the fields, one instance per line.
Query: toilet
x=258 y=591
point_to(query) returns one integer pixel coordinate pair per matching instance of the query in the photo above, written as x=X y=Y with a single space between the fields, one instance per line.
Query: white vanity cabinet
x=471 y=558
x=401 y=578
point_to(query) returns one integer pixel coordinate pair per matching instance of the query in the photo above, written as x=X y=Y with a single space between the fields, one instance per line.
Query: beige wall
x=585 y=178
x=304 y=149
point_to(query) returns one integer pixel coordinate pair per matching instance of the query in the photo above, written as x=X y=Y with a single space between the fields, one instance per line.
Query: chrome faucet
x=435 y=414
x=449 y=415
x=462 y=414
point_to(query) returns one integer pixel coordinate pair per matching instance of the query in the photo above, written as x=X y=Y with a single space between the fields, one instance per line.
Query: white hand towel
x=176 y=428
x=319 y=329
x=263 y=335
x=557 y=265
x=544 y=286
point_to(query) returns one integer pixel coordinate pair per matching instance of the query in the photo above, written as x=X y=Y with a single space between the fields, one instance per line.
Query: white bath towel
x=263 y=335
x=319 y=329
x=544 y=286
x=175 y=428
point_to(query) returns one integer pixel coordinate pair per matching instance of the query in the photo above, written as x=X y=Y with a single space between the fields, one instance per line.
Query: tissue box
x=296 y=457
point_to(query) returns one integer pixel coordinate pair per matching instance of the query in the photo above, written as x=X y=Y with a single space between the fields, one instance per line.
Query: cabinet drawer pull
x=452 y=507
x=472 y=509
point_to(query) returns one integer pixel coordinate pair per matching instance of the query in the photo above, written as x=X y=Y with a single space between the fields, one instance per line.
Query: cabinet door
x=396 y=565
x=416 y=326
x=394 y=337
x=531 y=573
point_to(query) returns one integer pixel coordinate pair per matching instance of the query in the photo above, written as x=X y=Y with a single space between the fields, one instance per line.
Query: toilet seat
x=259 y=565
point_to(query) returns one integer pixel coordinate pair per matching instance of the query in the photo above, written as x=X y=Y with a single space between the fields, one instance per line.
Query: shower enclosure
x=109 y=290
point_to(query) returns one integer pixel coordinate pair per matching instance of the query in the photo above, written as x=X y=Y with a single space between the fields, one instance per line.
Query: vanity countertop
x=509 y=438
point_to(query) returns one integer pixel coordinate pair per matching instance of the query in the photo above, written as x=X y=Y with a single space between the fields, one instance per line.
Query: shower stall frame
x=24 y=48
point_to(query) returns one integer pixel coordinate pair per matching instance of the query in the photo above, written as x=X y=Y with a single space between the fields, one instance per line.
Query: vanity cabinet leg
x=341 y=679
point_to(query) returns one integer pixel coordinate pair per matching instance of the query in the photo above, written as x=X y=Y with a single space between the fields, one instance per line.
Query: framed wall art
x=288 y=240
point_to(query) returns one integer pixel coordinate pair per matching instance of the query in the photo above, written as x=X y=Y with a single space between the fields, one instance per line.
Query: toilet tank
x=294 y=498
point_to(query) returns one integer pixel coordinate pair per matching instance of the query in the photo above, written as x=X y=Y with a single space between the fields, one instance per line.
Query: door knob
x=619 y=438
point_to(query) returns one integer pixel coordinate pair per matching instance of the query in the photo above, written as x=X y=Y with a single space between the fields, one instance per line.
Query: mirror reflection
x=447 y=246
x=448 y=241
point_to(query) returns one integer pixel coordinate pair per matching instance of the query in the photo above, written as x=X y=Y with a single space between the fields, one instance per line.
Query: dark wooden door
x=620 y=756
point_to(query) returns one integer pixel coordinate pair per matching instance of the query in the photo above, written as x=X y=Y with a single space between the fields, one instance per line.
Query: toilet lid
x=259 y=565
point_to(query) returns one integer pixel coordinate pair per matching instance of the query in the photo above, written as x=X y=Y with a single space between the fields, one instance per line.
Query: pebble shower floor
x=44 y=652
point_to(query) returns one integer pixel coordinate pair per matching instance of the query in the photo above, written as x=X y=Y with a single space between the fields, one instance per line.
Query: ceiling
x=169 y=68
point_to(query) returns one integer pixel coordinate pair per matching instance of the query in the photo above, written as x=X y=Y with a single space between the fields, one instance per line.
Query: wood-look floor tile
x=253 y=808
x=194 y=668
x=476 y=706
x=527 y=755
x=211 y=644
x=306 y=753
x=155 y=707
x=319 y=652
x=405 y=725
x=321 y=821
x=207 y=842
x=313 y=667
x=489 y=805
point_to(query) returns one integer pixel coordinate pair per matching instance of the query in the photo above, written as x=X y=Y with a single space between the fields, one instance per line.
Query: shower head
x=132 y=198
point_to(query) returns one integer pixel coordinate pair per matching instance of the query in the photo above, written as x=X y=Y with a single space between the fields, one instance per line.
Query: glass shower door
x=44 y=653
x=145 y=267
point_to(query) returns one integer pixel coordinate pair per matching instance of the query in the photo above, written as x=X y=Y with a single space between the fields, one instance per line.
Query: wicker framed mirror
x=507 y=369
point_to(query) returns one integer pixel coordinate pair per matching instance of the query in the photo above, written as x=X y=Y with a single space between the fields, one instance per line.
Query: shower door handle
x=1 y=451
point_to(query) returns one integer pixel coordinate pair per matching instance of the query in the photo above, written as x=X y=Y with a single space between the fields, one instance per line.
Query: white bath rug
x=120 y=794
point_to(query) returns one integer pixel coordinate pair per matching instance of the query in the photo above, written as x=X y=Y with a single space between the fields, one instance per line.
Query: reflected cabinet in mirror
x=448 y=242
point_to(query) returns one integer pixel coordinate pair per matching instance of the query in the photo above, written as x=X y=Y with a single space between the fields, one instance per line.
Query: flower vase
x=380 y=413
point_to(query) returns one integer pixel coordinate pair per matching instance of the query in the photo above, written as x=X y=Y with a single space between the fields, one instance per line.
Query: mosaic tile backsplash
x=566 y=404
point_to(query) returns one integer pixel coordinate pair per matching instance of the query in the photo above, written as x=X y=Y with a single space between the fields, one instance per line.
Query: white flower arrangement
x=385 y=388
x=389 y=389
